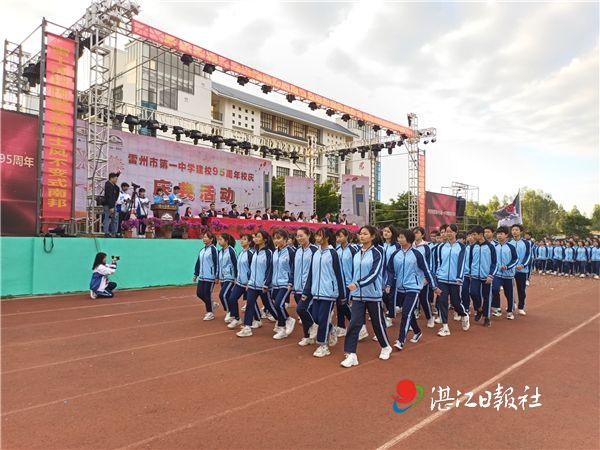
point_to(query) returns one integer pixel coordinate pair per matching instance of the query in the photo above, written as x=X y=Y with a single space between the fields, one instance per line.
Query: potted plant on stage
x=165 y=230
x=181 y=227
x=127 y=226
x=151 y=224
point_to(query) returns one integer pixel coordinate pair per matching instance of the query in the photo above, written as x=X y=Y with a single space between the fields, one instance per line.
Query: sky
x=512 y=88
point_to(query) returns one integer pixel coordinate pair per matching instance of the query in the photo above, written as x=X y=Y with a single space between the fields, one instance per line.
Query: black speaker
x=461 y=205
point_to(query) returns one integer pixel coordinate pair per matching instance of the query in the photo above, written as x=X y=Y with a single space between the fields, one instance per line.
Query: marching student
x=507 y=258
x=423 y=247
x=541 y=257
x=595 y=259
x=569 y=259
x=325 y=286
x=227 y=270
x=488 y=234
x=432 y=244
x=483 y=267
x=465 y=294
x=582 y=257
x=558 y=254
x=407 y=268
x=366 y=293
x=450 y=272
x=283 y=282
x=100 y=286
x=205 y=272
x=390 y=245
x=524 y=252
x=346 y=254
x=244 y=260
x=302 y=262
x=261 y=272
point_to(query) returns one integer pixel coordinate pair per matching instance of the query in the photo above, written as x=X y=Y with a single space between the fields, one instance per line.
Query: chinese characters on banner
x=422 y=202
x=59 y=122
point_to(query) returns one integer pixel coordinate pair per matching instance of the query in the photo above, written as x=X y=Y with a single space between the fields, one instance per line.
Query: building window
x=253 y=119
x=252 y=112
x=239 y=116
x=266 y=121
x=253 y=127
x=118 y=94
x=333 y=165
x=298 y=130
x=282 y=125
x=334 y=180
x=318 y=178
x=282 y=171
x=239 y=123
x=299 y=173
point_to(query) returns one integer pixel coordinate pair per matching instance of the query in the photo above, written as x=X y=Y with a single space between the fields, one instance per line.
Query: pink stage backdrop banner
x=299 y=195
x=355 y=198
x=204 y=175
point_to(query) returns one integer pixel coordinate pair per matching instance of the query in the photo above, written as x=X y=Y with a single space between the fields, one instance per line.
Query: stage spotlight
x=362 y=154
x=294 y=156
x=132 y=121
x=390 y=147
x=209 y=68
x=342 y=155
x=264 y=150
x=186 y=59
x=313 y=106
x=266 y=88
x=32 y=73
x=255 y=147
x=178 y=131
x=242 y=81
x=330 y=112
x=231 y=143
x=152 y=125
x=187 y=132
x=389 y=132
x=290 y=97
x=361 y=123
x=346 y=117
x=164 y=128
x=425 y=142
x=376 y=128
x=218 y=139
x=118 y=117
x=434 y=140
x=195 y=135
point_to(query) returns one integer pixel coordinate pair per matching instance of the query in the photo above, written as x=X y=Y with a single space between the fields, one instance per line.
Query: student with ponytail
x=302 y=263
x=227 y=270
x=283 y=281
x=244 y=260
x=206 y=272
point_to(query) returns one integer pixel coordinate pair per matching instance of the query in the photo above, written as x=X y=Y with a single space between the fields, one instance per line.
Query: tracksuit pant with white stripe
x=423 y=302
x=359 y=309
x=304 y=310
x=557 y=263
x=343 y=312
x=204 y=293
x=481 y=294
x=521 y=282
x=390 y=304
x=108 y=290
x=226 y=287
x=322 y=316
x=507 y=286
x=452 y=292
x=232 y=301
x=251 y=304
x=409 y=301
x=465 y=293
x=280 y=296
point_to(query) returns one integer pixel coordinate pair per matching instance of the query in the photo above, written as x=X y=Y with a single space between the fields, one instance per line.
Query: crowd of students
x=567 y=257
x=382 y=273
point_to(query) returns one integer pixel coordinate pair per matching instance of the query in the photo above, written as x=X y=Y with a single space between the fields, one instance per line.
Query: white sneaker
x=399 y=345
x=290 y=323
x=465 y=323
x=431 y=323
x=306 y=341
x=270 y=317
x=281 y=334
x=256 y=324
x=444 y=332
x=351 y=360
x=398 y=310
x=388 y=322
x=263 y=315
x=582 y=276
x=527 y=283
x=228 y=318
x=332 y=338
x=322 y=351
x=244 y=332
x=244 y=307
x=234 y=324
x=363 y=333
x=93 y=295
x=522 y=312
x=385 y=353
x=596 y=277
x=216 y=306
x=438 y=319
x=312 y=332
x=375 y=337
x=497 y=312
x=417 y=313
x=276 y=328
x=416 y=338
x=510 y=316
x=209 y=316
x=456 y=316
x=341 y=332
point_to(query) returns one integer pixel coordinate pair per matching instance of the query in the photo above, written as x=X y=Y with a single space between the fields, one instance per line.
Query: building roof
x=261 y=103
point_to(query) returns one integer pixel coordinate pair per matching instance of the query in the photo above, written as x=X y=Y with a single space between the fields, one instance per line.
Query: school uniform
x=506 y=255
x=100 y=286
x=325 y=285
x=206 y=271
x=346 y=256
x=227 y=274
x=283 y=280
x=367 y=276
x=450 y=274
x=558 y=254
x=569 y=260
x=407 y=270
x=261 y=273
x=465 y=295
x=483 y=267
x=423 y=302
x=244 y=259
x=302 y=263
x=388 y=299
x=523 y=249
x=595 y=260
x=541 y=257
x=581 y=259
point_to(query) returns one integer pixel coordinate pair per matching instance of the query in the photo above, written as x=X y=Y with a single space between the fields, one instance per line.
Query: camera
x=116 y=258
x=135 y=186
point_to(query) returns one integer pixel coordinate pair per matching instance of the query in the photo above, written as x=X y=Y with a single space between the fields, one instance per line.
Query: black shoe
x=478 y=315
x=487 y=322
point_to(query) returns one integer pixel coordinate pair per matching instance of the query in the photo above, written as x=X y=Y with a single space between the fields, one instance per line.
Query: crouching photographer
x=100 y=286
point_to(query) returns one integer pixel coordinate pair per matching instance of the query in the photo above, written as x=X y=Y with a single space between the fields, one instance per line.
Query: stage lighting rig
x=376 y=128
x=266 y=88
x=152 y=125
x=209 y=68
x=346 y=117
x=264 y=150
x=178 y=131
x=132 y=121
x=313 y=106
x=196 y=136
x=294 y=156
x=390 y=147
x=242 y=81
x=361 y=123
x=186 y=59
x=290 y=97
x=389 y=132
x=330 y=112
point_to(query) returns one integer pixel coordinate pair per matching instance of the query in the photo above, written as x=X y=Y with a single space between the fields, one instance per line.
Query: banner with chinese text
x=355 y=199
x=299 y=195
x=441 y=209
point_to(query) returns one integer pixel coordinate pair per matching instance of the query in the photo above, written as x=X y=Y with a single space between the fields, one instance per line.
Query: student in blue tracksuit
x=533 y=249
x=488 y=234
x=206 y=273
x=100 y=286
x=283 y=282
x=558 y=254
x=302 y=261
x=407 y=269
x=346 y=254
x=507 y=258
x=227 y=270
x=366 y=292
x=581 y=258
x=261 y=272
x=465 y=296
x=325 y=286
x=541 y=257
x=569 y=259
x=523 y=248
x=432 y=244
x=595 y=259
x=244 y=260
x=390 y=245
x=482 y=256
x=450 y=273
x=423 y=247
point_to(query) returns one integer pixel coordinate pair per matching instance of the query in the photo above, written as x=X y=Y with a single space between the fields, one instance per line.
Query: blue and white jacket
x=346 y=256
x=388 y=251
x=227 y=264
x=450 y=263
x=244 y=260
x=595 y=254
x=407 y=270
x=467 y=271
x=100 y=275
x=425 y=250
x=207 y=264
x=325 y=276
x=523 y=249
x=541 y=252
x=506 y=254
x=261 y=269
x=581 y=254
x=432 y=256
x=367 y=275
x=558 y=253
x=569 y=254
x=302 y=260
x=283 y=267
x=483 y=260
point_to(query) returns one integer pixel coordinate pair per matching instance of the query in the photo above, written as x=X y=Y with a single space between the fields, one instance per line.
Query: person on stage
x=142 y=209
x=206 y=272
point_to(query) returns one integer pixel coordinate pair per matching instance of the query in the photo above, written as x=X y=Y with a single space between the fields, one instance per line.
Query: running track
x=144 y=371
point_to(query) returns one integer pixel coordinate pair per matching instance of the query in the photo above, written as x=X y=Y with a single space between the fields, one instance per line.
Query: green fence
x=31 y=267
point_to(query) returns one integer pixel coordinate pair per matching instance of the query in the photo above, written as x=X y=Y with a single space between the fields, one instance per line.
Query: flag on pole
x=510 y=214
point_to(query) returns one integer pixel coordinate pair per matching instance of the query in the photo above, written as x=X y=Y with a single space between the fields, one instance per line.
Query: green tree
x=575 y=224
x=327 y=198
x=595 y=222
x=541 y=214
x=277 y=193
x=395 y=212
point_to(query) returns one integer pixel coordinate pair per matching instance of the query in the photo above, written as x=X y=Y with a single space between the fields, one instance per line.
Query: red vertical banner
x=422 y=204
x=58 y=128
